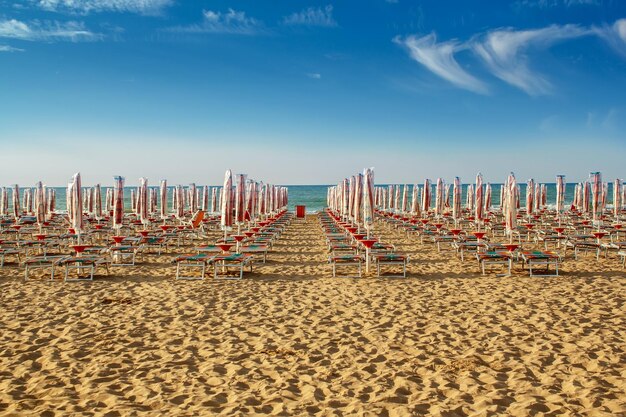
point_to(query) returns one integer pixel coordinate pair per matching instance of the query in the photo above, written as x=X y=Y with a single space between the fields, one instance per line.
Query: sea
x=313 y=197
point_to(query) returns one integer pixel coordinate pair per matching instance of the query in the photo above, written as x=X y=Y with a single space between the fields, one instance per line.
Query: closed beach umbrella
x=205 y=198
x=180 y=202
x=227 y=208
x=213 y=199
x=76 y=220
x=530 y=195
x=40 y=205
x=142 y=201
x=405 y=198
x=479 y=204
x=510 y=215
x=617 y=198
x=560 y=195
x=193 y=198
x=4 y=202
x=240 y=199
x=456 y=200
x=426 y=197
x=470 y=198
x=439 y=197
x=487 y=198
x=596 y=193
x=16 y=202
x=163 y=198
x=358 y=199
x=415 y=201
x=118 y=202
x=368 y=199
x=97 y=196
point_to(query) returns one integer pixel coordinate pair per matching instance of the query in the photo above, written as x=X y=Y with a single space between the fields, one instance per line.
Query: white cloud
x=312 y=17
x=314 y=75
x=147 y=7
x=231 y=22
x=6 y=48
x=439 y=58
x=614 y=35
x=46 y=31
x=504 y=53
x=546 y=4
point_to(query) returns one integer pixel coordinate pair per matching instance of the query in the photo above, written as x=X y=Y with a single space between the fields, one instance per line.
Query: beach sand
x=289 y=339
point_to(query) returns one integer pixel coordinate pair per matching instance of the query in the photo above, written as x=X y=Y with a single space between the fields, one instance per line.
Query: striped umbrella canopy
x=560 y=195
x=502 y=196
x=390 y=195
x=40 y=204
x=4 y=201
x=415 y=201
x=205 y=198
x=193 y=198
x=52 y=199
x=108 y=200
x=227 y=208
x=240 y=199
x=426 y=197
x=97 y=193
x=448 y=188
x=368 y=199
x=487 y=198
x=544 y=195
x=596 y=193
x=252 y=200
x=214 y=200
x=479 y=207
x=16 y=202
x=142 y=202
x=510 y=211
x=586 y=196
x=118 y=202
x=439 y=197
x=456 y=199
x=358 y=199
x=180 y=202
x=470 y=198
x=397 y=204
x=405 y=198
x=163 y=198
x=617 y=197
x=530 y=195
x=351 y=185
x=77 y=210
x=133 y=201
x=605 y=193
x=537 y=198
x=345 y=197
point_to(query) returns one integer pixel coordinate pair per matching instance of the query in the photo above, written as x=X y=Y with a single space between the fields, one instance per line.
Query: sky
x=309 y=92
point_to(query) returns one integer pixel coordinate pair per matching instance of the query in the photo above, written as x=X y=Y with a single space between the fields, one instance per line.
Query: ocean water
x=313 y=197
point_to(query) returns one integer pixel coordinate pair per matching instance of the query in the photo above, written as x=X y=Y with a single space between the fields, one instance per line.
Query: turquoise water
x=313 y=197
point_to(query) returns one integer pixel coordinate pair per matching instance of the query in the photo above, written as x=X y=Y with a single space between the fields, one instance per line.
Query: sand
x=291 y=340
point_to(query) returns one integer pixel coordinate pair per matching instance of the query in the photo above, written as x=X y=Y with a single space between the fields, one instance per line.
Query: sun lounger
x=541 y=260
x=391 y=259
x=346 y=261
x=41 y=262
x=255 y=249
x=200 y=261
x=4 y=252
x=494 y=258
x=124 y=255
x=81 y=263
x=223 y=262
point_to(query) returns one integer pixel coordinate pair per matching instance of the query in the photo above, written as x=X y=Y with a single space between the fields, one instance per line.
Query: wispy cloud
x=504 y=53
x=314 y=75
x=312 y=17
x=46 y=31
x=614 y=35
x=146 y=7
x=231 y=22
x=439 y=59
x=7 y=48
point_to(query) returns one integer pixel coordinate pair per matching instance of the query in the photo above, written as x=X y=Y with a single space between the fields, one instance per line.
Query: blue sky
x=308 y=91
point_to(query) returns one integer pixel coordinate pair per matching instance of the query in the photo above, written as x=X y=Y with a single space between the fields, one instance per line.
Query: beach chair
x=41 y=262
x=622 y=254
x=198 y=261
x=541 y=260
x=346 y=261
x=393 y=260
x=82 y=263
x=223 y=263
x=4 y=252
x=124 y=255
x=495 y=258
x=255 y=249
